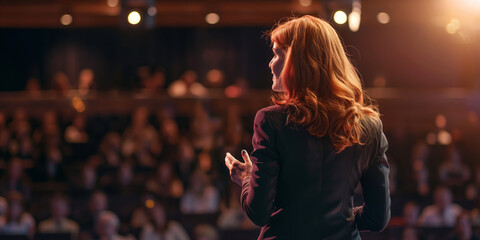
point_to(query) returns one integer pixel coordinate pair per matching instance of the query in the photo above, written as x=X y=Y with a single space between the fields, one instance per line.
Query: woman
x=312 y=148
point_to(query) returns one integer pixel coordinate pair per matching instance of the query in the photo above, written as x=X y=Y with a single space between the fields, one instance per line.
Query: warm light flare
x=134 y=18
x=212 y=18
x=66 y=19
x=340 y=17
x=383 y=18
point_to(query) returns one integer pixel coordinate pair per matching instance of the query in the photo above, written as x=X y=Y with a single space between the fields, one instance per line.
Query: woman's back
x=310 y=185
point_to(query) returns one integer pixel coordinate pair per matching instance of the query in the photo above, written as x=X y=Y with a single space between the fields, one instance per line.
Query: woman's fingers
x=227 y=163
x=246 y=157
x=230 y=160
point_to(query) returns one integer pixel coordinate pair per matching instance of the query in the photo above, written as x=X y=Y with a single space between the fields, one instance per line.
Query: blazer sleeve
x=374 y=215
x=258 y=191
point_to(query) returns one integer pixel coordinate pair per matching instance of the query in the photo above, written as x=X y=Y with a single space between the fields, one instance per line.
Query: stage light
x=134 y=17
x=383 y=18
x=66 y=19
x=112 y=3
x=212 y=18
x=340 y=17
x=305 y=3
x=152 y=11
x=354 y=20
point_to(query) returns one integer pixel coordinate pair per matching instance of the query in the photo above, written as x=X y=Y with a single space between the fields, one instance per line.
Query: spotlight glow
x=354 y=20
x=112 y=3
x=340 y=17
x=66 y=19
x=212 y=18
x=305 y=3
x=134 y=18
x=383 y=18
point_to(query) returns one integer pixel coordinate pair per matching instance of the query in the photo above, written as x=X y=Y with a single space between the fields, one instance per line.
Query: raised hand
x=238 y=170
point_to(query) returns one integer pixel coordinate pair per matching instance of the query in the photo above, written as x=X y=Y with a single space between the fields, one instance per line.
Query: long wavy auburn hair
x=323 y=91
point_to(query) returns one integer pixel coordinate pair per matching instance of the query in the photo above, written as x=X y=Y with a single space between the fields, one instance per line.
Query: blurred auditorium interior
x=115 y=115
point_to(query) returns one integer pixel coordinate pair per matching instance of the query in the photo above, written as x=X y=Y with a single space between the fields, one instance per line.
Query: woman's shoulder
x=272 y=109
x=271 y=112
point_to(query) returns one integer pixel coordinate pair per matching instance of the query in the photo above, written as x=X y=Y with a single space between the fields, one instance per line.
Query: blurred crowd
x=157 y=175
x=160 y=178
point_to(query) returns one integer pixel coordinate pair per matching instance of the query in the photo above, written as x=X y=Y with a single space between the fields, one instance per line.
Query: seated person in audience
x=463 y=228
x=232 y=215
x=76 y=133
x=59 y=223
x=50 y=167
x=14 y=180
x=141 y=140
x=409 y=233
x=201 y=197
x=107 y=225
x=86 y=183
x=121 y=182
x=3 y=211
x=473 y=188
x=443 y=213
x=164 y=183
x=18 y=221
x=160 y=227
x=187 y=85
x=202 y=128
x=411 y=210
x=205 y=232
x=453 y=172
x=86 y=81
x=33 y=87
x=98 y=203
x=185 y=162
x=140 y=216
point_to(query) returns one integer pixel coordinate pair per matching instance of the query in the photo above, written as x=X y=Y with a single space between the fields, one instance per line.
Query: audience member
x=453 y=172
x=33 y=88
x=205 y=232
x=411 y=212
x=86 y=183
x=18 y=221
x=472 y=191
x=15 y=180
x=232 y=215
x=201 y=128
x=107 y=227
x=61 y=84
x=76 y=133
x=3 y=211
x=442 y=213
x=201 y=197
x=160 y=227
x=187 y=85
x=409 y=233
x=463 y=228
x=58 y=222
x=164 y=183
x=87 y=217
x=85 y=81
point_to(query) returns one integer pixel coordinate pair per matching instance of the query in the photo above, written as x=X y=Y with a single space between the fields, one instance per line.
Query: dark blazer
x=301 y=188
